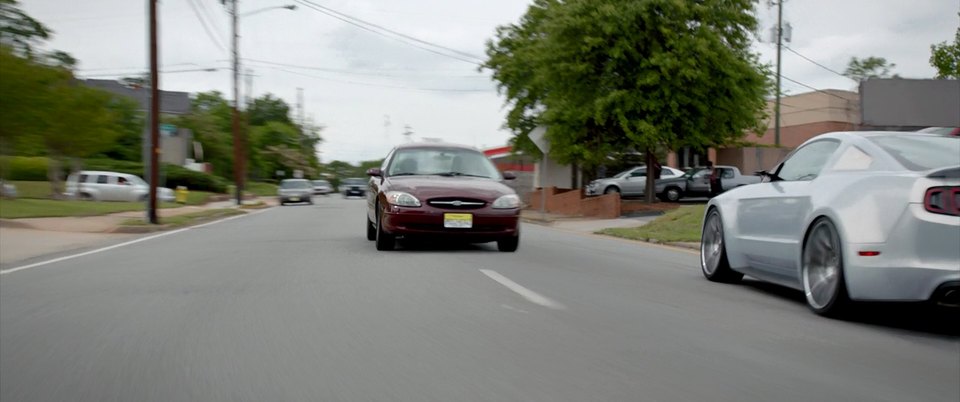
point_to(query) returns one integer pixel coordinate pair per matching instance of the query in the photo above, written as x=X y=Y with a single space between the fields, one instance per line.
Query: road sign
x=539 y=137
x=168 y=129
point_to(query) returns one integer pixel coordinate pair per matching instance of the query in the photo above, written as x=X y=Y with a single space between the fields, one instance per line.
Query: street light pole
x=237 y=142
x=776 y=129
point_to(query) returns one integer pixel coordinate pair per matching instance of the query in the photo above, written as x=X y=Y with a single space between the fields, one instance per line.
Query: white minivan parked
x=111 y=186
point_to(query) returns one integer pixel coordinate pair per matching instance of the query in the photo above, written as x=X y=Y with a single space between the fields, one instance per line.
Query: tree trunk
x=53 y=175
x=648 y=192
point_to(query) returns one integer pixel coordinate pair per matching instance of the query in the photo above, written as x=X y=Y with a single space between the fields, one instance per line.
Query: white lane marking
x=528 y=294
x=142 y=239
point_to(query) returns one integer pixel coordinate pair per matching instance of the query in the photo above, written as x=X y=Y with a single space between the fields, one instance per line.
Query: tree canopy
x=869 y=67
x=945 y=57
x=606 y=76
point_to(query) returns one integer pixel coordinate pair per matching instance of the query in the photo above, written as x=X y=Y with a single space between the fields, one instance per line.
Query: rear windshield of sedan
x=354 y=182
x=916 y=152
x=294 y=184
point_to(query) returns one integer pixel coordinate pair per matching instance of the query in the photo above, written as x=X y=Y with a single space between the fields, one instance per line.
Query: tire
x=508 y=244
x=672 y=194
x=87 y=197
x=611 y=190
x=821 y=271
x=713 y=251
x=371 y=230
x=384 y=240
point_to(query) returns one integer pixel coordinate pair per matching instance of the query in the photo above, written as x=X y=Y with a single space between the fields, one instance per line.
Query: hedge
x=34 y=168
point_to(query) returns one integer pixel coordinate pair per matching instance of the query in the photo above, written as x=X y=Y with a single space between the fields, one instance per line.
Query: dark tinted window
x=921 y=152
x=83 y=178
x=726 y=173
x=103 y=179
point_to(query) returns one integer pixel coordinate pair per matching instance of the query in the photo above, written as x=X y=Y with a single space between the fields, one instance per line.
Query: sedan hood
x=427 y=187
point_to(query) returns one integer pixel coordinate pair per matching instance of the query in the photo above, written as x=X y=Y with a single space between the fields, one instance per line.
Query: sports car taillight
x=942 y=200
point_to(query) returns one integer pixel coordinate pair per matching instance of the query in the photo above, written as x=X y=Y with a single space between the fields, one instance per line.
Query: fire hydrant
x=182 y=194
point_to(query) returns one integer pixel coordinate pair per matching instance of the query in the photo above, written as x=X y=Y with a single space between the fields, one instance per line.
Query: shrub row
x=34 y=168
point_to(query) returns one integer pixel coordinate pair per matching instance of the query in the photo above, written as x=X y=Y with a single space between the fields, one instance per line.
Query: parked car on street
x=353 y=187
x=445 y=191
x=322 y=187
x=7 y=190
x=949 y=131
x=696 y=182
x=628 y=183
x=111 y=186
x=849 y=216
x=295 y=190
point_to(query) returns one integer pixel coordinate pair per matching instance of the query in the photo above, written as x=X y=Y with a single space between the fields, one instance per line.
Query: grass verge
x=41 y=190
x=188 y=219
x=39 y=208
x=680 y=225
x=260 y=189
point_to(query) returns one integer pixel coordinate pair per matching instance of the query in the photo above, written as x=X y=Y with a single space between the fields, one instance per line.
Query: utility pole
x=238 y=153
x=300 y=107
x=154 y=118
x=776 y=128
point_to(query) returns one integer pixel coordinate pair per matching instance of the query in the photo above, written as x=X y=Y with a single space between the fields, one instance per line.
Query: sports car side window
x=853 y=158
x=807 y=162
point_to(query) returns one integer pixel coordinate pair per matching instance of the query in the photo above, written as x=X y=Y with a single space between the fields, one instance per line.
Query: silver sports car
x=846 y=216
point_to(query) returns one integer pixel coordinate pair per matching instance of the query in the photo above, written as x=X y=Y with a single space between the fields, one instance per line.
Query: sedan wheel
x=385 y=241
x=673 y=194
x=611 y=190
x=713 y=254
x=508 y=244
x=822 y=270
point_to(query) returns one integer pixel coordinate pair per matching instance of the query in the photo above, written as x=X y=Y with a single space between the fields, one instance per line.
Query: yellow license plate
x=294 y=198
x=458 y=221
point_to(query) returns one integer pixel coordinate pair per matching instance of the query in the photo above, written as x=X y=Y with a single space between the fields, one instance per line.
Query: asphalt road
x=294 y=304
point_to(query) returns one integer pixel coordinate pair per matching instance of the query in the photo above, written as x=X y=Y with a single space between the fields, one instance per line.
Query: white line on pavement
x=142 y=239
x=528 y=294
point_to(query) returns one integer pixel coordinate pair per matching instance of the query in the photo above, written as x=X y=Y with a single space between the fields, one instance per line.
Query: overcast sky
x=365 y=88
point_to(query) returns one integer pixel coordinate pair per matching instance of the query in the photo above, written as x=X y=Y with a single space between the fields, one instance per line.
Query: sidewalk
x=23 y=239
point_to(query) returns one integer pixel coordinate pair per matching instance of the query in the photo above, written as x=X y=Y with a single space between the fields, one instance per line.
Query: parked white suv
x=111 y=186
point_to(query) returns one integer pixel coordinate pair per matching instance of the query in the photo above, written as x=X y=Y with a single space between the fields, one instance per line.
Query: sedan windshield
x=294 y=184
x=442 y=162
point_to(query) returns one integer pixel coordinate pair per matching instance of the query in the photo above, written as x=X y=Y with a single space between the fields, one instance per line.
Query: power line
x=214 y=38
x=399 y=36
x=370 y=84
x=342 y=71
x=810 y=87
x=814 y=62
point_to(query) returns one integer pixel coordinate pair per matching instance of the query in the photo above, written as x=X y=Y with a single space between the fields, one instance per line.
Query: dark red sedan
x=434 y=190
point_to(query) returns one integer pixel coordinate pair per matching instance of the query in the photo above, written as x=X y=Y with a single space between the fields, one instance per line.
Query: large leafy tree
x=210 y=121
x=609 y=75
x=19 y=31
x=268 y=108
x=869 y=67
x=945 y=57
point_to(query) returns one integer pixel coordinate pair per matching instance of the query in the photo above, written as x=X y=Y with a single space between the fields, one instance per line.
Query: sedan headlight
x=402 y=199
x=508 y=201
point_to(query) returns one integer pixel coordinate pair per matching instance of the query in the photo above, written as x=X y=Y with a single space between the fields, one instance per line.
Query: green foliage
x=211 y=123
x=945 y=57
x=870 y=67
x=610 y=75
x=19 y=30
x=24 y=168
x=199 y=181
x=261 y=189
x=131 y=122
x=269 y=109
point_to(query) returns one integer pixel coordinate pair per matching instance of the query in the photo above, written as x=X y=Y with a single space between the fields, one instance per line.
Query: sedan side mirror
x=374 y=172
x=509 y=176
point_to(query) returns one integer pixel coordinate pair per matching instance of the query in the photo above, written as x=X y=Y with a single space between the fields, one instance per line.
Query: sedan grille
x=456 y=203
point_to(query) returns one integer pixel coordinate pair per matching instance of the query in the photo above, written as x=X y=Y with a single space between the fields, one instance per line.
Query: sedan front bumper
x=488 y=224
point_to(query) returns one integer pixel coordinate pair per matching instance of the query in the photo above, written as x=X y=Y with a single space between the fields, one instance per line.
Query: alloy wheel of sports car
x=385 y=241
x=822 y=269
x=713 y=255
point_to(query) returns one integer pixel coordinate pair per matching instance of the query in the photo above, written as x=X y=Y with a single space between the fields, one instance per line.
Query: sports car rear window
x=916 y=152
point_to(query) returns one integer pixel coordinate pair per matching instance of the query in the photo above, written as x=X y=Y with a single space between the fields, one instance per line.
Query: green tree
x=870 y=67
x=210 y=120
x=609 y=75
x=945 y=57
x=20 y=31
x=131 y=120
x=268 y=108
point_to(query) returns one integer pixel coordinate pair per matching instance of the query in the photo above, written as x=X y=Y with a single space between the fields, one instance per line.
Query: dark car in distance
x=435 y=190
x=353 y=187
